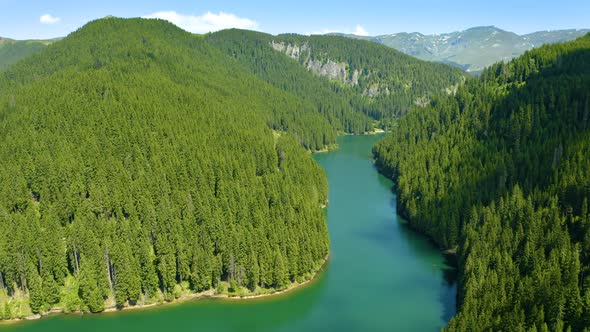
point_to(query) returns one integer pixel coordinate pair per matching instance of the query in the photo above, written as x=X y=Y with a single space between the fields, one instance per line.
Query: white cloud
x=207 y=22
x=49 y=19
x=360 y=31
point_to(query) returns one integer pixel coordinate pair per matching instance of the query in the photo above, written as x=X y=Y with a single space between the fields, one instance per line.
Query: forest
x=397 y=80
x=138 y=163
x=500 y=174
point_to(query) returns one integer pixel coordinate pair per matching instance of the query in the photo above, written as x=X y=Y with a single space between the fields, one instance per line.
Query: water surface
x=381 y=275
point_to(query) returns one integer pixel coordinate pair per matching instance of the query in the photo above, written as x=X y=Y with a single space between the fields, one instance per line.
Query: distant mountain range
x=472 y=49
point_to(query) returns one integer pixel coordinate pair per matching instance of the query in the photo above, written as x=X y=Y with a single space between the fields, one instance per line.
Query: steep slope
x=501 y=173
x=370 y=79
x=253 y=49
x=472 y=49
x=139 y=164
x=287 y=112
x=11 y=51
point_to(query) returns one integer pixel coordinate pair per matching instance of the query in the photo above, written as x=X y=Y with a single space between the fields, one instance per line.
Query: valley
x=143 y=164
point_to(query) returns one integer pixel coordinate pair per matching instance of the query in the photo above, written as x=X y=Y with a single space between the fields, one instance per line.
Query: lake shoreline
x=334 y=147
x=450 y=254
x=367 y=238
x=208 y=294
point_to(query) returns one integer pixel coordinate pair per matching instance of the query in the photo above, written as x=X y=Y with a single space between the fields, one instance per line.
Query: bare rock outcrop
x=328 y=68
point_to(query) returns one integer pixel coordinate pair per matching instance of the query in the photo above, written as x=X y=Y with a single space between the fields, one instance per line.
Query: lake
x=381 y=276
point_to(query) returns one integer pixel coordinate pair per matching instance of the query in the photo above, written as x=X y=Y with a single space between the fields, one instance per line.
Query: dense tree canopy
x=501 y=172
x=398 y=80
x=138 y=162
x=253 y=49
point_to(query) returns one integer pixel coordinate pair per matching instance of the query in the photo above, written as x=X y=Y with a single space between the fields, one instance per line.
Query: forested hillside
x=138 y=163
x=253 y=49
x=362 y=81
x=501 y=173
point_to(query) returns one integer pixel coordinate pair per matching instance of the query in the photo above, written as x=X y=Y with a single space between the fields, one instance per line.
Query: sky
x=42 y=19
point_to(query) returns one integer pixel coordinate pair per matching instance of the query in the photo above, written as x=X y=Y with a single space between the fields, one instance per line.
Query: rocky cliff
x=338 y=71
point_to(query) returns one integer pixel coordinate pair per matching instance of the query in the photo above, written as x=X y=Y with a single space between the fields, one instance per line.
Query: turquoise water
x=381 y=275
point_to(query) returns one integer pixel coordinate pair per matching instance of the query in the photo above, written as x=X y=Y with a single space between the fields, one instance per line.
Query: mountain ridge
x=471 y=49
x=372 y=79
x=465 y=50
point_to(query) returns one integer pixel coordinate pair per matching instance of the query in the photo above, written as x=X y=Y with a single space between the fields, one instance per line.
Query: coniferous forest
x=139 y=163
x=369 y=83
x=500 y=173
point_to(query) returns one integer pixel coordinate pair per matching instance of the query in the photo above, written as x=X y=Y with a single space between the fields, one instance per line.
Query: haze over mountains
x=13 y=50
x=472 y=49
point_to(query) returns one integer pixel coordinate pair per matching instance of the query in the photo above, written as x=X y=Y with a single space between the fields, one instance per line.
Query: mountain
x=462 y=49
x=361 y=81
x=472 y=49
x=355 y=86
x=139 y=164
x=500 y=173
x=550 y=37
x=13 y=50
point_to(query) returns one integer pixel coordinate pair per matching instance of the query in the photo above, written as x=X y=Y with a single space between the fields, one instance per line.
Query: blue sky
x=26 y=19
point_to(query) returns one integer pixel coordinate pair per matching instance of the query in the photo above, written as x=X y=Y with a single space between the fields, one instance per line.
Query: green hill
x=138 y=163
x=500 y=172
x=11 y=51
x=360 y=80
